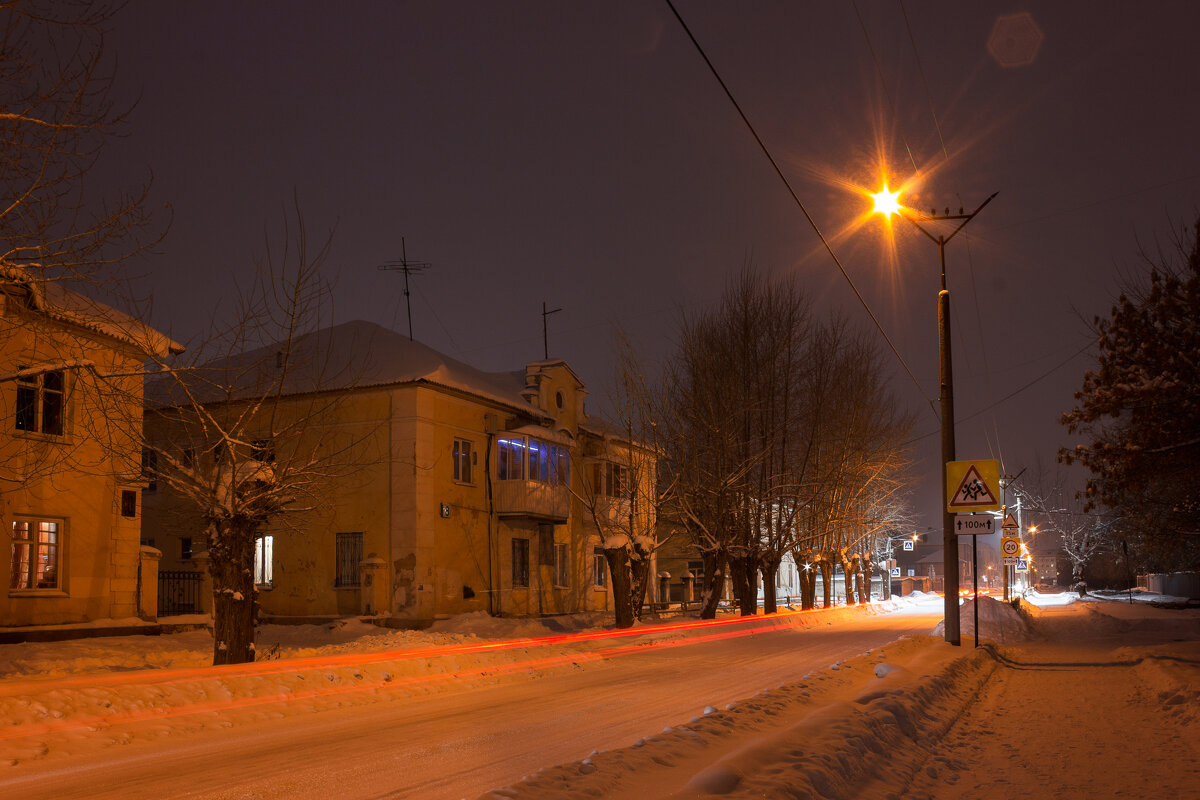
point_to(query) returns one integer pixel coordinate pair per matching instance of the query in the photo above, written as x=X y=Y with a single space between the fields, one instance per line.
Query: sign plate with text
x=974 y=524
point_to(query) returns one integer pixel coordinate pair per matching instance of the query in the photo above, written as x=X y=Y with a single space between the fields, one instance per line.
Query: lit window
x=40 y=403
x=349 y=554
x=264 y=560
x=520 y=562
x=35 y=550
x=461 y=455
x=510 y=461
x=599 y=568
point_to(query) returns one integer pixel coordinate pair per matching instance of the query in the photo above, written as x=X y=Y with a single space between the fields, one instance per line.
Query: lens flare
x=886 y=202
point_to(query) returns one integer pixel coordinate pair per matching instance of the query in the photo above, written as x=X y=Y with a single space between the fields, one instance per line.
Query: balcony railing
x=533 y=499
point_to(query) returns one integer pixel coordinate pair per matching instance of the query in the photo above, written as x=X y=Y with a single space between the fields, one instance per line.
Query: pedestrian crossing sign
x=972 y=486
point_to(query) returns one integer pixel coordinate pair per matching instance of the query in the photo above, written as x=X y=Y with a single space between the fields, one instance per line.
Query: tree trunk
x=640 y=569
x=714 y=583
x=864 y=585
x=848 y=581
x=618 y=573
x=827 y=580
x=744 y=571
x=770 y=567
x=231 y=550
x=808 y=589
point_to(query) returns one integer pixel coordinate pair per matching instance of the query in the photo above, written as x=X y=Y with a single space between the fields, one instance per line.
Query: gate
x=179 y=592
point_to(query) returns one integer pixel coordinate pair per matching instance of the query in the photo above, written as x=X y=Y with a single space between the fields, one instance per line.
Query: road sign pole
x=975 y=580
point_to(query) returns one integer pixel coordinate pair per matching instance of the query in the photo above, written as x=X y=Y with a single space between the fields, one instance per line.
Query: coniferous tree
x=1141 y=409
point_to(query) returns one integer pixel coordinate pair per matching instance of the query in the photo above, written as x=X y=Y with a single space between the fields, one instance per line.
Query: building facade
x=71 y=374
x=459 y=490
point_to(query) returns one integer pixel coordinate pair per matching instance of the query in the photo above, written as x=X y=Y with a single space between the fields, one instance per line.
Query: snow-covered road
x=457 y=742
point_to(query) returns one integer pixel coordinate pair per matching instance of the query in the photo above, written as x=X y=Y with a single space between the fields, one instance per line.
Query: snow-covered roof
x=354 y=354
x=58 y=302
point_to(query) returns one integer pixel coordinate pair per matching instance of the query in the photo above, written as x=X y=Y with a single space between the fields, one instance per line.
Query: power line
x=787 y=185
x=1011 y=394
x=886 y=92
x=924 y=82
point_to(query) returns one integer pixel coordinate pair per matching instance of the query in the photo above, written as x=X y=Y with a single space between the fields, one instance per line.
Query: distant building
x=71 y=374
x=467 y=492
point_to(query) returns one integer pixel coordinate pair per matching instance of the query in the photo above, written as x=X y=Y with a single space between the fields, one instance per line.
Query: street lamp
x=888 y=203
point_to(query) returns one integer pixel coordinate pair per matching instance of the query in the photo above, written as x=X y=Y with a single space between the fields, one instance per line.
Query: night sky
x=581 y=154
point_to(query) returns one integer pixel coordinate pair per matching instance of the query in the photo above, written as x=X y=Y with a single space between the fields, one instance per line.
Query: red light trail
x=713 y=630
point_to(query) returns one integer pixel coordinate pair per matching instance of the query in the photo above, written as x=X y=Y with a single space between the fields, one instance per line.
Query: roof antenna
x=545 y=339
x=407 y=267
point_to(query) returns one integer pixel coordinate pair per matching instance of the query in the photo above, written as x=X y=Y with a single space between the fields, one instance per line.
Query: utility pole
x=946 y=380
x=408 y=268
x=545 y=336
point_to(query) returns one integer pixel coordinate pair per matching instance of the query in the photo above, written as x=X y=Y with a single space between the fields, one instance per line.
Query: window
x=562 y=565
x=349 y=554
x=461 y=455
x=520 y=562
x=539 y=461
x=599 y=568
x=35 y=551
x=264 y=561
x=547 y=463
x=262 y=450
x=185 y=548
x=187 y=457
x=560 y=466
x=40 y=403
x=150 y=468
x=609 y=479
x=510 y=461
x=128 y=503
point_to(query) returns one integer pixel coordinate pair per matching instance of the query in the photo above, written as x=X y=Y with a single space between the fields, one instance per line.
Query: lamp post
x=888 y=203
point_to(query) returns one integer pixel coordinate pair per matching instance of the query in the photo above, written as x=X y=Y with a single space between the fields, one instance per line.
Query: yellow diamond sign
x=972 y=486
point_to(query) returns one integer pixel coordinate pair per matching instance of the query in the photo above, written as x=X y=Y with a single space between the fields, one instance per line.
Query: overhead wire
x=883 y=81
x=921 y=69
x=796 y=198
x=1011 y=394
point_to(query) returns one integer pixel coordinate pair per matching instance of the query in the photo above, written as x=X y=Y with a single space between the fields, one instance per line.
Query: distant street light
x=888 y=203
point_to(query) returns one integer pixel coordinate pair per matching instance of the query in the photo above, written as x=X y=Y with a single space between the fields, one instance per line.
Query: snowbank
x=998 y=622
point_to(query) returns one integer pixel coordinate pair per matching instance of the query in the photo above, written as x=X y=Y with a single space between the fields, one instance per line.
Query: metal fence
x=179 y=592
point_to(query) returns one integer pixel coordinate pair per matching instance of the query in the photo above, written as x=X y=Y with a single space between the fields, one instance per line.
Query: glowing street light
x=887 y=203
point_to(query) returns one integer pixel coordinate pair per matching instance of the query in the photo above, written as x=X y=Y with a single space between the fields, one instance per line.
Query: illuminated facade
x=466 y=494
x=70 y=410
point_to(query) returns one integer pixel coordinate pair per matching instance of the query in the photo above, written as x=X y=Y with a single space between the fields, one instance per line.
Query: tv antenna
x=545 y=338
x=408 y=268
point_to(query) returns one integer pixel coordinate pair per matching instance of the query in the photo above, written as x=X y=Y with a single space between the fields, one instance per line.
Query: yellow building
x=71 y=373
x=455 y=490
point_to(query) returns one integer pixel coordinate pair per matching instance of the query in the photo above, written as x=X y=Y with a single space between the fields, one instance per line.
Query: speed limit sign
x=1010 y=546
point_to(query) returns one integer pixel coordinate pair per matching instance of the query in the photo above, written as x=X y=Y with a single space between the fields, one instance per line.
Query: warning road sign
x=1010 y=546
x=972 y=486
x=1010 y=523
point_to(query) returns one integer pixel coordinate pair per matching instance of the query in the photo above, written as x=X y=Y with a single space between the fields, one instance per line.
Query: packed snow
x=1047 y=700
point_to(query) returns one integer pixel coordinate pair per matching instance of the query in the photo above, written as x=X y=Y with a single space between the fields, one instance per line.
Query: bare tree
x=1062 y=511
x=56 y=114
x=621 y=490
x=243 y=433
